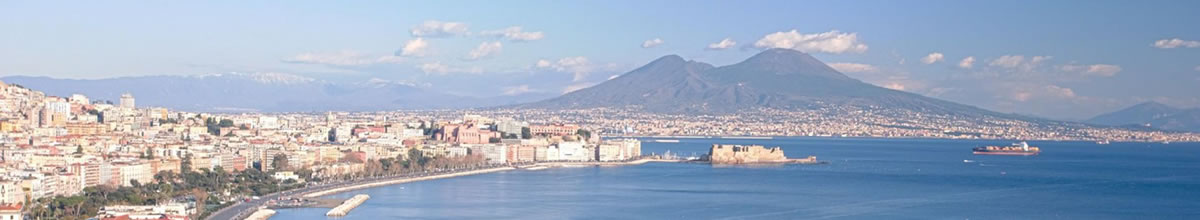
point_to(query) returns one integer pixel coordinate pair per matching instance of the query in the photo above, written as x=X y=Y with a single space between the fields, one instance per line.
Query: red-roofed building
x=10 y=212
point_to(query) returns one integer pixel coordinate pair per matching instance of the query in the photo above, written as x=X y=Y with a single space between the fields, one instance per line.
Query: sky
x=1057 y=59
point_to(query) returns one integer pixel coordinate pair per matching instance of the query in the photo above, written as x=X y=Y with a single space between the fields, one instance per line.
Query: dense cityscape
x=73 y=158
x=76 y=158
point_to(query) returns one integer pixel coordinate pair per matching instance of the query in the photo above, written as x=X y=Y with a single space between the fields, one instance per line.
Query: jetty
x=261 y=214
x=348 y=205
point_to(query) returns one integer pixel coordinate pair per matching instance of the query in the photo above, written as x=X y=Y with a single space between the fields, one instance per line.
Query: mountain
x=775 y=78
x=1155 y=115
x=268 y=92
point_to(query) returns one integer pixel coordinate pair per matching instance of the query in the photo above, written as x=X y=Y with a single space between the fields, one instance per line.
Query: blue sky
x=1092 y=56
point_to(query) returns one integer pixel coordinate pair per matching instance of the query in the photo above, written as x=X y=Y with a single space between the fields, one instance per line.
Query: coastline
x=483 y=171
x=403 y=180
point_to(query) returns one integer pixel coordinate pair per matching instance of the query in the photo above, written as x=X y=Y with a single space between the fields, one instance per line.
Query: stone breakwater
x=348 y=205
x=261 y=214
x=403 y=180
x=739 y=154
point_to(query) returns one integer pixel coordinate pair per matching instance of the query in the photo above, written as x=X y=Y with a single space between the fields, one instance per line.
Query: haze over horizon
x=1061 y=60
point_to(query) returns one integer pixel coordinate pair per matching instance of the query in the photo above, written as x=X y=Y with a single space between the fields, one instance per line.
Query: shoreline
x=483 y=171
x=402 y=180
x=529 y=167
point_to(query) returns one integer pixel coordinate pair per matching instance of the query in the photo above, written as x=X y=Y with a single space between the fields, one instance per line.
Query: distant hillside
x=258 y=92
x=776 y=78
x=1155 y=115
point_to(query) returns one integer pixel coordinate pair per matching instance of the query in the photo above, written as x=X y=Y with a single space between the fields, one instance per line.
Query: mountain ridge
x=1152 y=114
x=775 y=78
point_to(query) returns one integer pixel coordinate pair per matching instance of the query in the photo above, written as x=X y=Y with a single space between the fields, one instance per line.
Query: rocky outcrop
x=738 y=154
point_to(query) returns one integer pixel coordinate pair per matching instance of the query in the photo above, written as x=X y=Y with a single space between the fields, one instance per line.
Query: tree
x=279 y=162
x=149 y=154
x=186 y=164
x=526 y=133
x=225 y=123
x=584 y=133
x=79 y=149
x=493 y=140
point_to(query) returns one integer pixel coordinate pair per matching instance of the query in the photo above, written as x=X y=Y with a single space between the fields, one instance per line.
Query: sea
x=864 y=179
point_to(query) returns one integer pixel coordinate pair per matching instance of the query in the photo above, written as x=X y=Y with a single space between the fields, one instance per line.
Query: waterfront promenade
x=241 y=210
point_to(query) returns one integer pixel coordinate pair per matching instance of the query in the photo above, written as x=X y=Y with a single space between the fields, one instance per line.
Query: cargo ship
x=1016 y=149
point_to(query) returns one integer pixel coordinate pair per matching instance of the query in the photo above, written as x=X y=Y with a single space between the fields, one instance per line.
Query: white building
x=572 y=151
x=127 y=101
x=494 y=153
x=619 y=149
x=11 y=192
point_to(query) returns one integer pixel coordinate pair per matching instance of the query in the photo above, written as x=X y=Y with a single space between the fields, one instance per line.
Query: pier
x=348 y=205
x=261 y=214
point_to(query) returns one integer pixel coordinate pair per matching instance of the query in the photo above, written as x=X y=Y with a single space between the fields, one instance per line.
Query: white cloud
x=652 y=43
x=577 y=86
x=1038 y=59
x=1175 y=43
x=1046 y=92
x=1018 y=61
x=833 y=41
x=967 y=63
x=580 y=66
x=414 y=48
x=379 y=83
x=433 y=28
x=517 y=90
x=933 y=58
x=441 y=69
x=543 y=63
x=435 y=67
x=515 y=33
x=895 y=86
x=342 y=58
x=484 y=50
x=1104 y=70
x=723 y=44
x=1009 y=61
x=853 y=67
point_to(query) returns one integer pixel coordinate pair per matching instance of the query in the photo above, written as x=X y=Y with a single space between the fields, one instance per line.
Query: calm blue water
x=867 y=179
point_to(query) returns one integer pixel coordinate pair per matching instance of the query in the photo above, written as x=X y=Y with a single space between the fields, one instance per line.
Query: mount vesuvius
x=775 y=78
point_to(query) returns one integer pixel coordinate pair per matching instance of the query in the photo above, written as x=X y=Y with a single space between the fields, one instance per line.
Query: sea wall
x=261 y=214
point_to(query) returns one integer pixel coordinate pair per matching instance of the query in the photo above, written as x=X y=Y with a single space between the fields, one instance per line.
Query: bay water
x=864 y=179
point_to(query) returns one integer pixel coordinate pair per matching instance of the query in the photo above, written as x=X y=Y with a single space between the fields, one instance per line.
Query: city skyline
x=1054 y=61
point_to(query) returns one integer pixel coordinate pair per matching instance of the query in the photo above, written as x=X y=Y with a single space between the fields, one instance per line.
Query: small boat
x=666 y=141
x=1102 y=142
x=968 y=161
